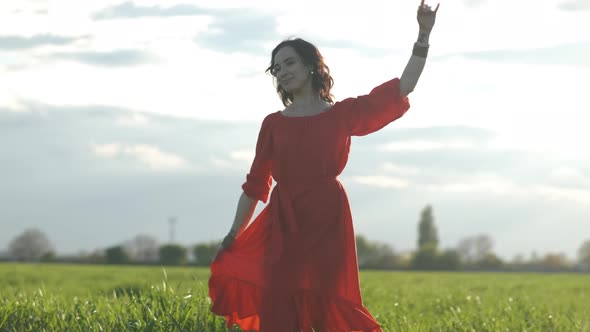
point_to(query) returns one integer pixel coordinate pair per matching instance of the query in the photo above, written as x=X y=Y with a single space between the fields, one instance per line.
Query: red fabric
x=295 y=267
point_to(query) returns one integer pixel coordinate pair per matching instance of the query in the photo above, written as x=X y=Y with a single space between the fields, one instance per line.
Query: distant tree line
x=471 y=253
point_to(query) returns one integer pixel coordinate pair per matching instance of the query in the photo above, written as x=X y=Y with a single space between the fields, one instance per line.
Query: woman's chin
x=289 y=88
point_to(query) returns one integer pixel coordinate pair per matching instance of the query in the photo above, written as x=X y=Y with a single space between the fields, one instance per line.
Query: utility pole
x=172 y=221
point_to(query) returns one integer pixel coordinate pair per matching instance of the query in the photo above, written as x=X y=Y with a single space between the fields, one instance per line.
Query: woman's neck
x=306 y=96
x=305 y=101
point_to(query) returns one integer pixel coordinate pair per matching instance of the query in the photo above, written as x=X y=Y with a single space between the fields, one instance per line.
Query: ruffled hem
x=240 y=302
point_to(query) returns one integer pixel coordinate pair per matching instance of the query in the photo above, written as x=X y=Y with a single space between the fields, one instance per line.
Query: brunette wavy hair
x=321 y=81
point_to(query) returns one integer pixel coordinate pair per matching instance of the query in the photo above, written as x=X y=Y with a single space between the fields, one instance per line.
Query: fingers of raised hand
x=426 y=9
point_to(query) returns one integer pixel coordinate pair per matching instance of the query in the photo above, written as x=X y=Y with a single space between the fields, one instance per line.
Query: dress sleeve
x=259 y=180
x=369 y=113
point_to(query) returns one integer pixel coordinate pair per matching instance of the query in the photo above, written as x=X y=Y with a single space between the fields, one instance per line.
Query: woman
x=295 y=267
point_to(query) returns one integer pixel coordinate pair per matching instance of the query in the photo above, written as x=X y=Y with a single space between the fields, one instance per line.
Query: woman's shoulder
x=269 y=119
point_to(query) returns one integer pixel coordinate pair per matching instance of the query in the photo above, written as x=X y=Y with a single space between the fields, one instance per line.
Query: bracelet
x=420 y=50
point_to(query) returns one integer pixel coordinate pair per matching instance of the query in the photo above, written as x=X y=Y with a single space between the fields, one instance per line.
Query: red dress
x=295 y=267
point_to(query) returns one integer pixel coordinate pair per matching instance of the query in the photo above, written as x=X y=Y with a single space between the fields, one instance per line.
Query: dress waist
x=281 y=201
x=295 y=184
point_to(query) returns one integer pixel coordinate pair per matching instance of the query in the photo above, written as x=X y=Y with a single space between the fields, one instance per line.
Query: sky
x=116 y=116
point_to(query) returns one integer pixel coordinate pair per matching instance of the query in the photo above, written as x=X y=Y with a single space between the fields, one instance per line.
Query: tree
x=425 y=257
x=427 y=233
x=584 y=255
x=374 y=255
x=555 y=262
x=363 y=250
x=474 y=249
x=172 y=254
x=96 y=257
x=518 y=262
x=449 y=260
x=204 y=252
x=383 y=257
x=143 y=248
x=48 y=256
x=30 y=246
x=489 y=262
x=116 y=255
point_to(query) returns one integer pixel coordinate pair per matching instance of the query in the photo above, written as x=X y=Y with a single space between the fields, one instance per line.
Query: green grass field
x=117 y=298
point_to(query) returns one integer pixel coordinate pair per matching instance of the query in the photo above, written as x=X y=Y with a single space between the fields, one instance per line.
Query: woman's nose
x=282 y=73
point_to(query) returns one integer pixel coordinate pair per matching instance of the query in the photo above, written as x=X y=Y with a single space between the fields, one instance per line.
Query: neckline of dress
x=307 y=116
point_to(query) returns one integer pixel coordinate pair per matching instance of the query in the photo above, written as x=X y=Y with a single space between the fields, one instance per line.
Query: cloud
x=127 y=140
x=442 y=134
x=232 y=30
x=132 y=120
x=488 y=185
x=424 y=145
x=473 y=3
x=361 y=49
x=456 y=149
x=129 y=10
x=24 y=43
x=480 y=184
x=571 y=54
x=382 y=181
x=240 y=159
x=569 y=177
x=464 y=160
x=575 y=5
x=150 y=156
x=390 y=167
x=240 y=31
x=563 y=194
x=118 y=58
x=86 y=173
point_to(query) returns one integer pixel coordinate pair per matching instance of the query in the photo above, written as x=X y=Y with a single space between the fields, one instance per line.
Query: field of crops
x=126 y=298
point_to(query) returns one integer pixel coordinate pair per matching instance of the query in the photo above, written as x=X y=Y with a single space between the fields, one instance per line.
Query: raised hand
x=426 y=16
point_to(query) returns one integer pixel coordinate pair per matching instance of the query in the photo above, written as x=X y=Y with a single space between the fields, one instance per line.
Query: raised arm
x=426 y=18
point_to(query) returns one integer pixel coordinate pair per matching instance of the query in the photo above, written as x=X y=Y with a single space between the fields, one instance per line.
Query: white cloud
x=243 y=155
x=479 y=186
x=147 y=155
x=382 y=181
x=567 y=172
x=528 y=107
x=132 y=120
x=422 y=145
x=155 y=158
x=580 y=195
x=498 y=186
x=565 y=141
x=568 y=175
x=239 y=159
x=107 y=150
x=389 y=167
x=575 y=5
x=11 y=102
x=564 y=183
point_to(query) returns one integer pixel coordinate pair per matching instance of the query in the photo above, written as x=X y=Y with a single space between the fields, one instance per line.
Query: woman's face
x=292 y=75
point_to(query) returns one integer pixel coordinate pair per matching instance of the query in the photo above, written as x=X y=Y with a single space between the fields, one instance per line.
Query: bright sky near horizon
x=499 y=115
